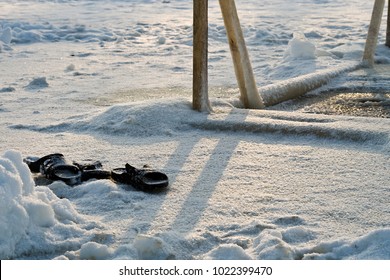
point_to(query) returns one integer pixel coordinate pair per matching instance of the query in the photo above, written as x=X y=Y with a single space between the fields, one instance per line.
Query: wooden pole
x=295 y=87
x=373 y=32
x=249 y=92
x=200 y=99
x=388 y=25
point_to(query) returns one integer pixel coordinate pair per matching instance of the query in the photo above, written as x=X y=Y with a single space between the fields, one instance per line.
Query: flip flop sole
x=144 y=180
x=95 y=174
x=69 y=174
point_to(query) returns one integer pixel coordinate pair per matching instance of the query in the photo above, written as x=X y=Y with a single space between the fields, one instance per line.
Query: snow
x=300 y=48
x=111 y=81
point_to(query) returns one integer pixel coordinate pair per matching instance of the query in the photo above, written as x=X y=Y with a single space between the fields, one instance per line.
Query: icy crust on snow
x=130 y=33
x=170 y=117
x=35 y=222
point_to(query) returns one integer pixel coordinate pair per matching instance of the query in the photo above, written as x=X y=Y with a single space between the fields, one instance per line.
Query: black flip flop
x=57 y=168
x=93 y=171
x=34 y=163
x=145 y=179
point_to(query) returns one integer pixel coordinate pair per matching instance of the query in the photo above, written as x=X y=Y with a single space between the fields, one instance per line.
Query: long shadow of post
x=203 y=189
x=176 y=162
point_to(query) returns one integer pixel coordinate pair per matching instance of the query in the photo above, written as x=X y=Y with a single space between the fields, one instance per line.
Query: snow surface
x=111 y=81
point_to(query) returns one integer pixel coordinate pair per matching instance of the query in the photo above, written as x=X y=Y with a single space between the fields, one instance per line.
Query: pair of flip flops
x=56 y=167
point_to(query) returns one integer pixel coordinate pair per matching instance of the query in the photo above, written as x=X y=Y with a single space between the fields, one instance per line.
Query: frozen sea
x=111 y=81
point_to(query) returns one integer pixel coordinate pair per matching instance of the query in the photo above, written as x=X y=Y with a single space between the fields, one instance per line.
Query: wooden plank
x=373 y=32
x=248 y=89
x=200 y=99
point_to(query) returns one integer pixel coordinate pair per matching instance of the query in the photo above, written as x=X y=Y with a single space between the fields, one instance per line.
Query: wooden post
x=373 y=32
x=295 y=87
x=200 y=99
x=249 y=92
x=388 y=25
